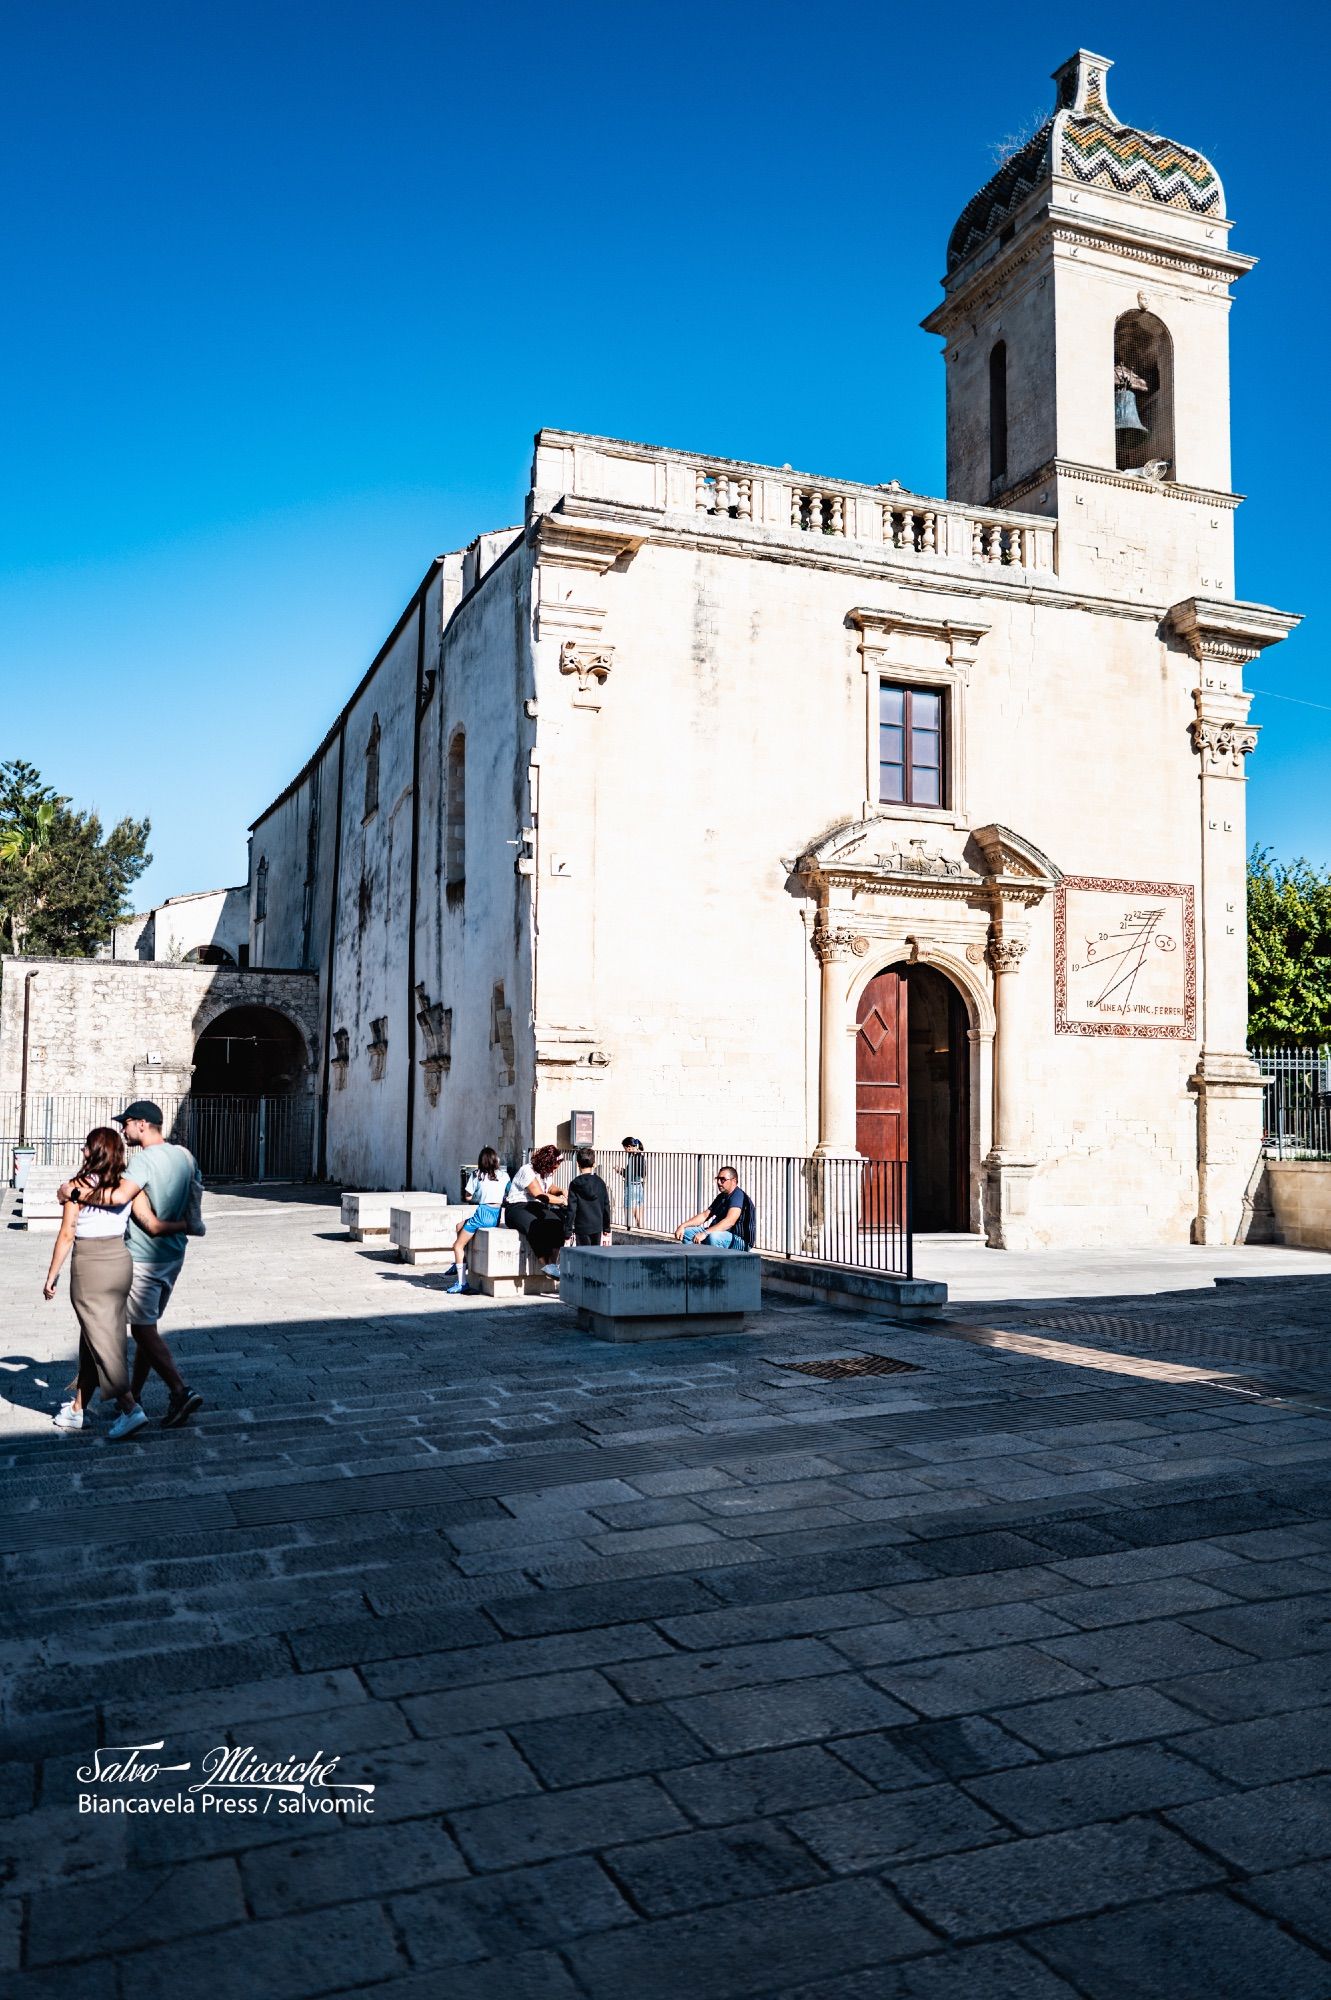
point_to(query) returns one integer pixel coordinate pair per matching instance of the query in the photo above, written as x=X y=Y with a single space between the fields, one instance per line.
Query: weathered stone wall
x=1300 y=1192
x=183 y=924
x=97 y=1024
x=447 y=1043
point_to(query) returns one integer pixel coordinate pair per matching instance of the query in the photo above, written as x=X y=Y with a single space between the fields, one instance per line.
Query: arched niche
x=1144 y=354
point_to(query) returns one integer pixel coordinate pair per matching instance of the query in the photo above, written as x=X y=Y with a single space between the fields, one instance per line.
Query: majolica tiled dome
x=1083 y=141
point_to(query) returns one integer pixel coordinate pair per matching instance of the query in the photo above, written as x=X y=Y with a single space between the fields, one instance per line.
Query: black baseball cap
x=142 y=1108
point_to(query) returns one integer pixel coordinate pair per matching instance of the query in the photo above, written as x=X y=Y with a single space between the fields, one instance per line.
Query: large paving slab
x=677 y=1668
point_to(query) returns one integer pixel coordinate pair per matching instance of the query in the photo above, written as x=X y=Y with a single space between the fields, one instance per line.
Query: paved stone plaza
x=674 y=1669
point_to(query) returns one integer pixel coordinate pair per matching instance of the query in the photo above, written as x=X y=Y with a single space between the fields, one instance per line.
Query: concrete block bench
x=369 y=1214
x=660 y=1291
x=40 y=1206
x=426 y=1235
x=499 y=1262
x=42 y=1210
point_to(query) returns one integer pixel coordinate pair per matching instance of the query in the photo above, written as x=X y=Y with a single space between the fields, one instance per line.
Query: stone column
x=1222 y=638
x=1226 y=1081
x=1011 y=1164
x=833 y=947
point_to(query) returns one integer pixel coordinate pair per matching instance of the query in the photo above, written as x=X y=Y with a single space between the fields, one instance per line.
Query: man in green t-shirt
x=168 y=1173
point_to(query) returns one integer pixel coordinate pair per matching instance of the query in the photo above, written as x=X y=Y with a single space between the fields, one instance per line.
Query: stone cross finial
x=1080 y=83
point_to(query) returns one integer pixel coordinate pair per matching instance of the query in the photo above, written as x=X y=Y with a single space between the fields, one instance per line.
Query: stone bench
x=41 y=1210
x=660 y=1291
x=499 y=1262
x=426 y=1235
x=369 y=1214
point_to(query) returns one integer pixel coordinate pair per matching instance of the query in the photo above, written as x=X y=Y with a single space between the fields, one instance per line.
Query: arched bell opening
x=913 y=1059
x=1143 y=394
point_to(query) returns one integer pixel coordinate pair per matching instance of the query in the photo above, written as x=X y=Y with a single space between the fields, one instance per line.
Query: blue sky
x=293 y=286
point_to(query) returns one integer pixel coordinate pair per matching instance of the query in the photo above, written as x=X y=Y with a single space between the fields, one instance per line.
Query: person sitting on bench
x=728 y=1222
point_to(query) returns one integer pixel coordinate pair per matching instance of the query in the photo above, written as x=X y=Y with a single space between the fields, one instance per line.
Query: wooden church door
x=882 y=1126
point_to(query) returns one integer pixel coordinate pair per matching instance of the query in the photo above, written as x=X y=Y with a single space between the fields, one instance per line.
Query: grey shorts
x=148 y=1295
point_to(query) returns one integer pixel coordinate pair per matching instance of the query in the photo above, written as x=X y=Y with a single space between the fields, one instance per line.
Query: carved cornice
x=572 y=558
x=1105 y=475
x=874 y=856
x=1223 y=267
x=1016 y=870
x=580 y=544
x=879 y=854
x=1218 y=631
x=878 y=625
x=971 y=297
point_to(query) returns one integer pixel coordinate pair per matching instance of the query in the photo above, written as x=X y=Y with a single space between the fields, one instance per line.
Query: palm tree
x=22 y=840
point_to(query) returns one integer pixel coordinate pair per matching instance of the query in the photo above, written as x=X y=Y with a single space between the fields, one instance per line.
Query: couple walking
x=126 y=1235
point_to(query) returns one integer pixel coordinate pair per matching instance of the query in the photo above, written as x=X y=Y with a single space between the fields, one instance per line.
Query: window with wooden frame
x=911 y=749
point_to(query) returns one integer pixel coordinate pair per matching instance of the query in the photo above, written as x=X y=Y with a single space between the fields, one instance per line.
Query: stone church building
x=754 y=809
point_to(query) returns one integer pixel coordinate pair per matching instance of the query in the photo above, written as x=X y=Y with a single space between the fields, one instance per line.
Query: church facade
x=750 y=809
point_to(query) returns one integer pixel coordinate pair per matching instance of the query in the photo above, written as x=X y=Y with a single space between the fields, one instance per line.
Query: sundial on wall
x=1124 y=958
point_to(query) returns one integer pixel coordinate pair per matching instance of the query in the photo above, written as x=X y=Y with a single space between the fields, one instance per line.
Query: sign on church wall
x=1124 y=958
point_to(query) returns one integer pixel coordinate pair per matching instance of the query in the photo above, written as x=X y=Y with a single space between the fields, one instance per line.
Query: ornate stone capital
x=830 y=944
x=589 y=663
x=1005 y=953
x=1222 y=745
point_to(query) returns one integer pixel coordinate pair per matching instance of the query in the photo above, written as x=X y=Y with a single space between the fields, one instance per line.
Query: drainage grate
x=850 y=1364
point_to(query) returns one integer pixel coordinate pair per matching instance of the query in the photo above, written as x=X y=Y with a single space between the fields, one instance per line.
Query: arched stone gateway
x=249 y=1052
x=919 y=931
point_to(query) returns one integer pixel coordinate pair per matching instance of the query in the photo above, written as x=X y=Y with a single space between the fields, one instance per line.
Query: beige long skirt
x=100 y=1276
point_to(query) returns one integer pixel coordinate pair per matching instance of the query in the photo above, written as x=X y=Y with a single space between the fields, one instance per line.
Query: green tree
x=63 y=882
x=1289 y=950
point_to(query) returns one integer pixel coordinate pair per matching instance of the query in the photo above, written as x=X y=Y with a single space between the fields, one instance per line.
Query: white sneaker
x=128 y=1421
x=67 y=1418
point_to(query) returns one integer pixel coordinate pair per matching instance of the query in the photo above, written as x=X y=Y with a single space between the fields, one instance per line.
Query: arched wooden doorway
x=912 y=1087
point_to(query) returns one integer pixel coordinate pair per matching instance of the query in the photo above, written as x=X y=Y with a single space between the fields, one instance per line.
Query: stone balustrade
x=782 y=505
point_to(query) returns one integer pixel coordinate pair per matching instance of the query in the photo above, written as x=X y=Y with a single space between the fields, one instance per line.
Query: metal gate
x=232 y=1138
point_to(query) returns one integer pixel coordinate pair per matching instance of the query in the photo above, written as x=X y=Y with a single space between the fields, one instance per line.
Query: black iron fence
x=232 y=1138
x=1296 y=1102
x=834 y=1211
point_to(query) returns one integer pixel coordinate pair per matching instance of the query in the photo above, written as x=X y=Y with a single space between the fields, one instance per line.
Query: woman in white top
x=536 y=1208
x=93 y=1227
x=486 y=1188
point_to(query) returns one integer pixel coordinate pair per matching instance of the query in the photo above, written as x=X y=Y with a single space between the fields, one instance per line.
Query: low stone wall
x=126 y=1026
x=1300 y=1193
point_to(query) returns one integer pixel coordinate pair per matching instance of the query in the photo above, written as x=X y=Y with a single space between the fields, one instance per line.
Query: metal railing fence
x=1296 y=1102
x=833 y=1211
x=232 y=1138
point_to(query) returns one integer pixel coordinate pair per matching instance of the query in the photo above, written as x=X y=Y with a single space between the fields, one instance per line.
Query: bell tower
x=1087 y=348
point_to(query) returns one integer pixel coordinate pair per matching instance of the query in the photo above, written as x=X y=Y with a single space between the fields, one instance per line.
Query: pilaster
x=1222 y=638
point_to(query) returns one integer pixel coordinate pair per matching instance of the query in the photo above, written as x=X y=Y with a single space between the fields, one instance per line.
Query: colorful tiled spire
x=1083 y=141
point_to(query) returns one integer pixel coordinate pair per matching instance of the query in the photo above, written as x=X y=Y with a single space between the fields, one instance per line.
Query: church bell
x=1126 y=414
x=1127 y=417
